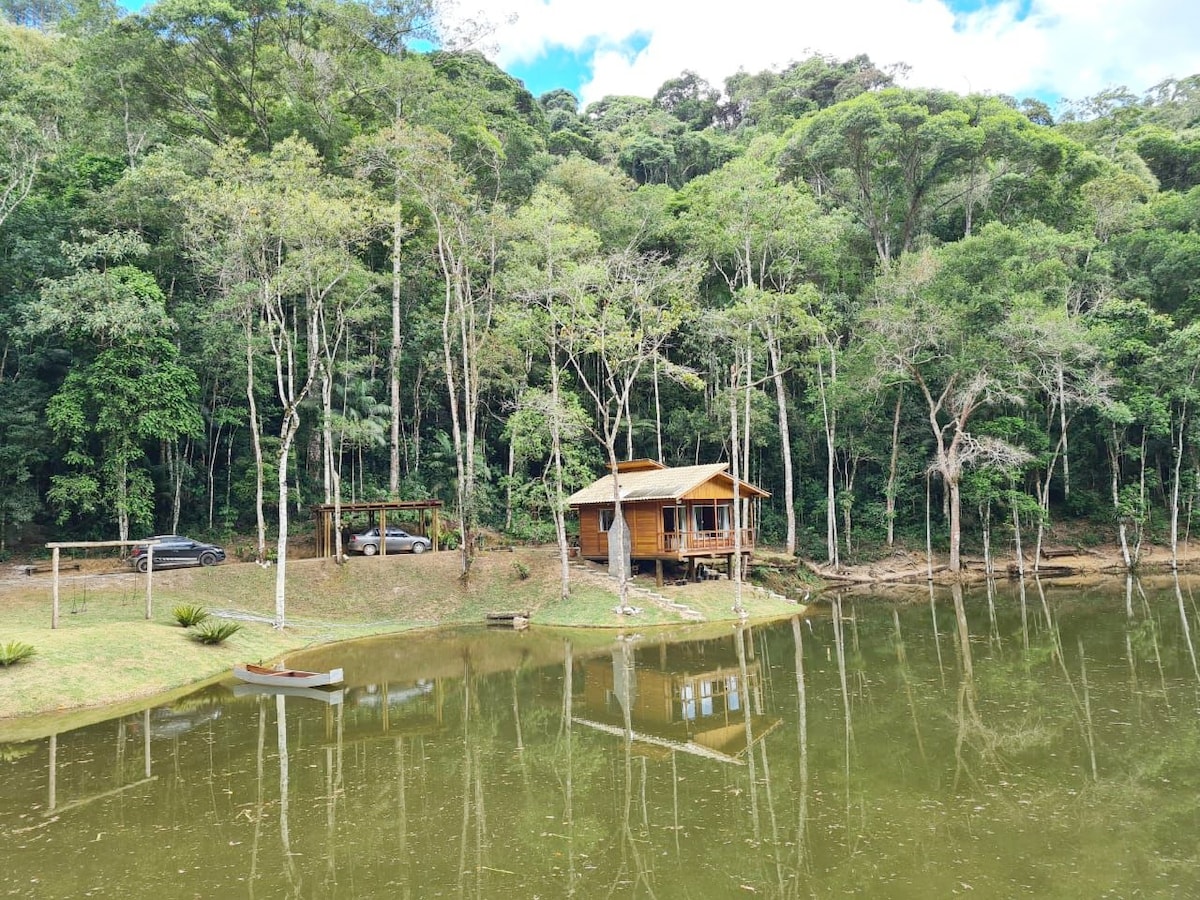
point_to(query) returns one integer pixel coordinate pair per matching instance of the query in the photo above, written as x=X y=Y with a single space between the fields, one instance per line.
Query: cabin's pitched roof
x=658 y=483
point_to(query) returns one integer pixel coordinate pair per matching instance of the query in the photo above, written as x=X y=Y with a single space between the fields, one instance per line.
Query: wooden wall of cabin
x=645 y=523
x=592 y=541
x=714 y=489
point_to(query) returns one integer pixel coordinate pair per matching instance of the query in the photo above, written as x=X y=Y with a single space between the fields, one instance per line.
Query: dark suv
x=176 y=550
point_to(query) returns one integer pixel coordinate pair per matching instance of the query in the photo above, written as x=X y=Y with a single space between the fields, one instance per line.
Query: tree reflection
x=971 y=728
x=802 y=865
x=285 y=838
x=624 y=689
x=1080 y=705
x=1183 y=621
x=840 y=647
x=905 y=676
x=258 y=797
x=568 y=778
x=739 y=639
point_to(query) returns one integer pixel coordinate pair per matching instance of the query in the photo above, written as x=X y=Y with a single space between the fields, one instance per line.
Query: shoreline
x=106 y=659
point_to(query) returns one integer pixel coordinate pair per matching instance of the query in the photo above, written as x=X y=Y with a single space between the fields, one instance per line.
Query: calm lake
x=1040 y=742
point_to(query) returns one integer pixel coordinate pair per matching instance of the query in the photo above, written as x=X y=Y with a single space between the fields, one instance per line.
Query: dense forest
x=257 y=255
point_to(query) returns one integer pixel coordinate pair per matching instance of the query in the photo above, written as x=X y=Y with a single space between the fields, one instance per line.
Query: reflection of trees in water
x=285 y=836
x=848 y=728
x=258 y=797
x=473 y=812
x=334 y=794
x=802 y=869
x=874 y=766
x=634 y=865
x=567 y=773
x=1183 y=621
x=906 y=677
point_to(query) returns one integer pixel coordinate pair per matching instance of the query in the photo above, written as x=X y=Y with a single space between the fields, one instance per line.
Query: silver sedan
x=398 y=541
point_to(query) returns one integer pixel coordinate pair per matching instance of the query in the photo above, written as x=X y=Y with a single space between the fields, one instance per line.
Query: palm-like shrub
x=215 y=632
x=189 y=614
x=15 y=651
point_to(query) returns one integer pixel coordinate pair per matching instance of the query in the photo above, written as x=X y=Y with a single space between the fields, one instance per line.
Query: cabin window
x=606 y=519
x=725 y=517
x=713 y=518
x=687 y=695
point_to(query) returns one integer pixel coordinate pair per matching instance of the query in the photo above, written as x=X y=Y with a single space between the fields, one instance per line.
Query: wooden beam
x=149 y=580
x=54 y=613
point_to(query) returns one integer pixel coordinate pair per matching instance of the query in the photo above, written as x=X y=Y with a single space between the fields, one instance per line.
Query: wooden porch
x=682 y=544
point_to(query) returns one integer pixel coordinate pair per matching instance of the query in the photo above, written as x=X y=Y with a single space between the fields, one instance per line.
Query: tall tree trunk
x=1062 y=428
x=1019 y=553
x=121 y=476
x=394 y=355
x=735 y=569
x=985 y=514
x=955 y=525
x=260 y=546
x=1176 y=478
x=657 y=415
x=287 y=433
x=785 y=438
x=559 y=500
x=1114 y=458
x=829 y=417
x=893 y=463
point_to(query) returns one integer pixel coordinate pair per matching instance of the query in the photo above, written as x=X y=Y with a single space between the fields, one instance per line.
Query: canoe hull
x=261 y=675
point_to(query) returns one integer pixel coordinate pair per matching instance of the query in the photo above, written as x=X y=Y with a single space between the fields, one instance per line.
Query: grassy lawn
x=105 y=652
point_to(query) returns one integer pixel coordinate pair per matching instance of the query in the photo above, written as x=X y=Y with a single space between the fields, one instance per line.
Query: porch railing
x=703 y=541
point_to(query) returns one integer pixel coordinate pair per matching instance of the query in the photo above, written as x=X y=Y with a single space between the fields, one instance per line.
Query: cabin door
x=674 y=525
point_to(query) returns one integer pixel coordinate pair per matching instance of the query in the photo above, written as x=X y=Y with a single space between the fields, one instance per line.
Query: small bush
x=15 y=651
x=188 y=614
x=521 y=569
x=215 y=632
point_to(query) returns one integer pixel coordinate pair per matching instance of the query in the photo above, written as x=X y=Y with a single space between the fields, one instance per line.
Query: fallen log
x=1055 y=552
x=848 y=577
x=1042 y=571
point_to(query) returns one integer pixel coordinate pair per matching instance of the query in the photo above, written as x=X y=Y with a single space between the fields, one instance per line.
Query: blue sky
x=1051 y=49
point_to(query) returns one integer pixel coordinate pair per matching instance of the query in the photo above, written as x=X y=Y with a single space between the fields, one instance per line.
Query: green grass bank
x=106 y=654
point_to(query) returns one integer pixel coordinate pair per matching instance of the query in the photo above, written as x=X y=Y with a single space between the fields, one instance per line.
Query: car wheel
x=208 y=559
x=369 y=549
x=419 y=547
x=143 y=564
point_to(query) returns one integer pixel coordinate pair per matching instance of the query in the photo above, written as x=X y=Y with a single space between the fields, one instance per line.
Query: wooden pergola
x=427 y=512
x=56 y=546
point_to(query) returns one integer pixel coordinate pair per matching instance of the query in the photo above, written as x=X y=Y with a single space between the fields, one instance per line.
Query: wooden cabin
x=681 y=514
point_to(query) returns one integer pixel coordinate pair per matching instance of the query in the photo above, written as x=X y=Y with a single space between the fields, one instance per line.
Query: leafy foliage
x=253 y=255
x=215 y=632
x=189 y=614
x=14 y=652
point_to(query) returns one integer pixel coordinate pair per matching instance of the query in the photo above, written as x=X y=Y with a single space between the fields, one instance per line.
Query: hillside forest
x=257 y=255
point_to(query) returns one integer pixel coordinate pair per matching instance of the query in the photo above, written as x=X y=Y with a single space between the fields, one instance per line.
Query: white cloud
x=1059 y=48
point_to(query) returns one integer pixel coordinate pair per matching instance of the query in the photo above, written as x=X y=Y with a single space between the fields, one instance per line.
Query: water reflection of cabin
x=713 y=712
x=679 y=514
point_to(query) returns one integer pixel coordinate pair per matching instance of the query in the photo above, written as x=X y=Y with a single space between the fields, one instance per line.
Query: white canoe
x=264 y=675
